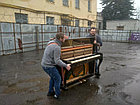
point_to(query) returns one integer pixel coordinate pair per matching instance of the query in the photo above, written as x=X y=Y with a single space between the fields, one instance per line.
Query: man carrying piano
x=97 y=42
x=50 y=60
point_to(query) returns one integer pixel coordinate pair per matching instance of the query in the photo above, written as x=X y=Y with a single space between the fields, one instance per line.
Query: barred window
x=21 y=18
x=120 y=27
x=50 y=20
x=65 y=2
x=77 y=23
x=65 y=22
x=89 y=23
x=77 y=4
x=89 y=5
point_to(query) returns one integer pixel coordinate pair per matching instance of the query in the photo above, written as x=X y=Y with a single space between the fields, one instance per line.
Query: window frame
x=66 y=3
x=77 y=6
x=89 y=5
x=77 y=20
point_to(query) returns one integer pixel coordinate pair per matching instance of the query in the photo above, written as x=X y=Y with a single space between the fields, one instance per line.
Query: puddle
x=133 y=89
x=99 y=90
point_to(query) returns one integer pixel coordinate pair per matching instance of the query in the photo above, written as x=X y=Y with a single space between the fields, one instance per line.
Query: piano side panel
x=77 y=72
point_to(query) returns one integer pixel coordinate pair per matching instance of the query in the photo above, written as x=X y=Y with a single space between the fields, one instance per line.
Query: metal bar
x=14 y=36
x=42 y=34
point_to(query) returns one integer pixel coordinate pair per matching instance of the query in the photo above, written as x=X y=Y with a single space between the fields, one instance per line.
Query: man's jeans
x=96 y=67
x=55 y=79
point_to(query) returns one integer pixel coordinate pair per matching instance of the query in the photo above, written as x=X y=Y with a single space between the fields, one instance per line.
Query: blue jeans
x=55 y=79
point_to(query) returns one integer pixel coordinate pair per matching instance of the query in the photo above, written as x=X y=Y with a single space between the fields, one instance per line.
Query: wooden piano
x=78 y=53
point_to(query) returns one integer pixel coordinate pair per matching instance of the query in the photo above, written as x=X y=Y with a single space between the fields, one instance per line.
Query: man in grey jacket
x=50 y=59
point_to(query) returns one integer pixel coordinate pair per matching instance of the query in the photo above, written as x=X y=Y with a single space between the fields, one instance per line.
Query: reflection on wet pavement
x=23 y=82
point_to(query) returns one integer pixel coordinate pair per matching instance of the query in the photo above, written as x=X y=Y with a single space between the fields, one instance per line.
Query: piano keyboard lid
x=86 y=57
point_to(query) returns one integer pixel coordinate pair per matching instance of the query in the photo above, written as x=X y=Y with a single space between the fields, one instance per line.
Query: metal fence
x=130 y=36
x=15 y=38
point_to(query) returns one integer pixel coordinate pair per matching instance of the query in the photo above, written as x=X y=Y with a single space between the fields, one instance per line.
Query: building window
x=65 y=22
x=89 y=5
x=120 y=27
x=77 y=4
x=50 y=20
x=89 y=23
x=77 y=23
x=65 y=2
x=50 y=0
x=21 y=18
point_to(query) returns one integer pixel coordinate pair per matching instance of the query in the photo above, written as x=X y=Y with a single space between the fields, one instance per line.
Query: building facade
x=59 y=12
x=99 y=21
x=123 y=25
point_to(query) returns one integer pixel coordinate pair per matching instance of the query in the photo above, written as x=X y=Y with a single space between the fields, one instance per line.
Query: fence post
x=37 y=37
x=130 y=36
x=2 y=50
x=79 y=31
x=20 y=40
x=42 y=35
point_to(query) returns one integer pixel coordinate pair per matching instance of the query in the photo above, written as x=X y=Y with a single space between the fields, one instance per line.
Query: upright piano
x=78 y=53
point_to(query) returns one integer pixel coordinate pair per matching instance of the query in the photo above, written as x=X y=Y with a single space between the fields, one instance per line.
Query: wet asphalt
x=23 y=82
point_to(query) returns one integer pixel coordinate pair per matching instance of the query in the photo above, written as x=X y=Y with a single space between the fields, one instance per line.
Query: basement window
x=50 y=20
x=50 y=0
x=21 y=18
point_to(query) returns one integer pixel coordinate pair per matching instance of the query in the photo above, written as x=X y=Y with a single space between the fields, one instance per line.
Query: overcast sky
x=99 y=6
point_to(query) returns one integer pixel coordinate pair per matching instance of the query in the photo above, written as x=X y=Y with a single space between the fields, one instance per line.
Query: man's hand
x=94 y=42
x=68 y=67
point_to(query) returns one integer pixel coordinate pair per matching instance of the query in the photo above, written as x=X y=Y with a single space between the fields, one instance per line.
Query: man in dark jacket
x=50 y=59
x=97 y=42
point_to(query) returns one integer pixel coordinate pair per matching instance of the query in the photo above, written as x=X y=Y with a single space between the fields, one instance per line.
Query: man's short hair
x=92 y=28
x=59 y=35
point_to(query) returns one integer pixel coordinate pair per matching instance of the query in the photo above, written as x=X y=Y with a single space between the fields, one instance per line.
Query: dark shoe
x=50 y=94
x=63 y=88
x=97 y=74
x=55 y=96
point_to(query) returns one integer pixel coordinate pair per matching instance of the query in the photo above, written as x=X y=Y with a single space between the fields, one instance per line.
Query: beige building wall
x=37 y=10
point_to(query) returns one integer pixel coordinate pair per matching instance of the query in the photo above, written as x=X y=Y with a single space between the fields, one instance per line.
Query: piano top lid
x=76 y=42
